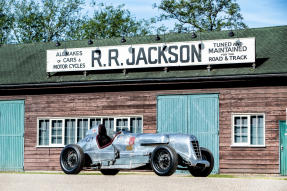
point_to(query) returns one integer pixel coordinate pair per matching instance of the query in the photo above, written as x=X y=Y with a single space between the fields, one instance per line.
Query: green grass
x=97 y=173
x=218 y=176
x=222 y=176
x=245 y=176
x=30 y=172
x=62 y=173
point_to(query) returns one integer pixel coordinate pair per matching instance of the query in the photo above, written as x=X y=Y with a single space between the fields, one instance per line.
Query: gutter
x=141 y=81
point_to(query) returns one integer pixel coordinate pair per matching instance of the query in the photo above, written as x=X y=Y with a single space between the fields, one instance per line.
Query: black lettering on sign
x=174 y=54
x=150 y=61
x=184 y=49
x=132 y=62
x=96 y=56
x=161 y=55
x=141 y=56
x=115 y=57
x=196 y=53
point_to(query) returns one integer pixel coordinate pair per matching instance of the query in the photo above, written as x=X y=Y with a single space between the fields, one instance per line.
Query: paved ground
x=135 y=182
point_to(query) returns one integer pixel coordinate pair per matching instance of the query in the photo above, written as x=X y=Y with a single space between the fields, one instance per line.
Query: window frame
x=77 y=126
x=38 y=132
x=50 y=132
x=75 y=133
x=248 y=115
x=121 y=118
x=63 y=119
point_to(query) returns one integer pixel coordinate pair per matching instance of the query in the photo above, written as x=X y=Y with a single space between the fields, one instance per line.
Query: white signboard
x=222 y=51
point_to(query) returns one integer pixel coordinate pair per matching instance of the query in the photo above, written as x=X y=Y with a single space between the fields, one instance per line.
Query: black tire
x=72 y=159
x=110 y=171
x=203 y=172
x=164 y=160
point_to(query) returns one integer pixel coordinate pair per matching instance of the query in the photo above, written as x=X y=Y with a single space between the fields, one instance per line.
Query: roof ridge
x=140 y=36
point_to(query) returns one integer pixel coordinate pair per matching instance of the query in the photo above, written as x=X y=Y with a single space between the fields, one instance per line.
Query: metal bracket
x=254 y=65
x=208 y=68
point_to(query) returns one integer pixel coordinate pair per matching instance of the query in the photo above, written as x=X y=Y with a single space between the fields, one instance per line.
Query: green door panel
x=11 y=135
x=192 y=114
x=283 y=147
x=172 y=114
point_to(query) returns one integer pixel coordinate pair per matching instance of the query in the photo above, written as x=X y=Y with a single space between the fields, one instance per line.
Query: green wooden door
x=191 y=114
x=283 y=147
x=172 y=114
x=11 y=135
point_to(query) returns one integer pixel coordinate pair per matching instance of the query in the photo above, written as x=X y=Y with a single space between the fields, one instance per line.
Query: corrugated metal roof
x=26 y=63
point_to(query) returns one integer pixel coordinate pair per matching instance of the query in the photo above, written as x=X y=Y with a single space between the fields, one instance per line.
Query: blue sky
x=256 y=13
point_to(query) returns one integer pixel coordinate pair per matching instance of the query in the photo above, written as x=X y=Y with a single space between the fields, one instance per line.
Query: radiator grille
x=196 y=148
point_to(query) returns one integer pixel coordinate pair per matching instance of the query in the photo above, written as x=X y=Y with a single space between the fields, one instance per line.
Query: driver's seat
x=103 y=139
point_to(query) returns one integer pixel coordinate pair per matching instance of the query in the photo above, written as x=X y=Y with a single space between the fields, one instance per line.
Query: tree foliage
x=45 y=20
x=109 y=21
x=6 y=20
x=26 y=21
x=202 y=15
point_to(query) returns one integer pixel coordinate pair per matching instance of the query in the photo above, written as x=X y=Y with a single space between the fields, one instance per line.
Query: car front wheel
x=164 y=160
x=72 y=159
x=203 y=171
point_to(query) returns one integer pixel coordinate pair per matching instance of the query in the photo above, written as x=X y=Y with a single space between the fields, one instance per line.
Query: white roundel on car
x=92 y=131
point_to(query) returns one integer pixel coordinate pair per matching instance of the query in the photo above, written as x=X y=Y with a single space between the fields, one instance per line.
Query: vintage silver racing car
x=162 y=153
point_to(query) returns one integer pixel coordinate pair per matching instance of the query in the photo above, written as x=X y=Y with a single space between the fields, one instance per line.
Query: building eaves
x=25 y=64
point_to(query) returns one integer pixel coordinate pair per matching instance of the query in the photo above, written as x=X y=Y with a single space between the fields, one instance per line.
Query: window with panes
x=248 y=130
x=64 y=131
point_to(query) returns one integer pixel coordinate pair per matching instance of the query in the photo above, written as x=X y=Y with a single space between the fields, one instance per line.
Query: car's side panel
x=130 y=150
x=97 y=155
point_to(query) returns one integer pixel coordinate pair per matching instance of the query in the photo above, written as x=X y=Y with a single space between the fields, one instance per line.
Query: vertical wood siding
x=11 y=135
x=269 y=100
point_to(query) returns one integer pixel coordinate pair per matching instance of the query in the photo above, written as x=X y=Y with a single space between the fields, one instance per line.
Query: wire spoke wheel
x=164 y=160
x=72 y=159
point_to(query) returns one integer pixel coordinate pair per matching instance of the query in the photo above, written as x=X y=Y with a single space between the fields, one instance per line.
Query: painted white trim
x=248 y=115
x=50 y=133
x=76 y=126
x=50 y=146
x=76 y=129
x=253 y=146
x=119 y=118
x=37 y=141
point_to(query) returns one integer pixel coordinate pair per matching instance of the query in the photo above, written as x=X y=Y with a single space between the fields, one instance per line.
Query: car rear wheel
x=72 y=159
x=164 y=160
x=109 y=171
x=203 y=171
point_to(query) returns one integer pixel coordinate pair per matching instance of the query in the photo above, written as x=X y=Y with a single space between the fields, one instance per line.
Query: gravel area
x=135 y=182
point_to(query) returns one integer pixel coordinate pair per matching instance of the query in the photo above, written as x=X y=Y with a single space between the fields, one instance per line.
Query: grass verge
x=146 y=173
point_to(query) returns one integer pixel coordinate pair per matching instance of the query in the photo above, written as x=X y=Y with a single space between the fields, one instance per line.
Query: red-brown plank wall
x=269 y=100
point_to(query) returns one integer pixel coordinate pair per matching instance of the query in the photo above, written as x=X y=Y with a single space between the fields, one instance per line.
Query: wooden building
x=236 y=107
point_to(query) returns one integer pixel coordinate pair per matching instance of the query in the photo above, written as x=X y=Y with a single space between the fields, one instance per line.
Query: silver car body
x=130 y=150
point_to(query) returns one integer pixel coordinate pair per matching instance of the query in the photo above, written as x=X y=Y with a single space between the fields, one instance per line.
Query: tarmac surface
x=136 y=182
